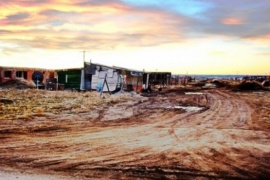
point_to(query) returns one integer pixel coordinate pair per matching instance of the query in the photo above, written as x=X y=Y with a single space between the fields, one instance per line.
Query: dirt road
x=173 y=135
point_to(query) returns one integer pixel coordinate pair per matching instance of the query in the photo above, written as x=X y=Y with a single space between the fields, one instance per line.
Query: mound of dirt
x=249 y=86
x=221 y=83
x=197 y=84
x=266 y=83
x=19 y=83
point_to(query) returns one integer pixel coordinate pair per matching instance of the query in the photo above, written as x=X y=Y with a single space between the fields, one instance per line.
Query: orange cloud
x=71 y=25
x=232 y=21
x=263 y=40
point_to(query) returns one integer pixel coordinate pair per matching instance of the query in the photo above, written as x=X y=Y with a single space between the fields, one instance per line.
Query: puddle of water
x=197 y=93
x=187 y=108
x=258 y=92
x=209 y=85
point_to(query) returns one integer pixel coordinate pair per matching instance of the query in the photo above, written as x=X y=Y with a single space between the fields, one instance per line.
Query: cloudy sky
x=181 y=36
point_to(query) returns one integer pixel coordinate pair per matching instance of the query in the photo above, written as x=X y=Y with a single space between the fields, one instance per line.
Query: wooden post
x=105 y=82
x=137 y=83
x=37 y=83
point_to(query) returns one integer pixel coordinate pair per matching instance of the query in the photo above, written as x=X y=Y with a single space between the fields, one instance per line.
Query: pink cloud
x=232 y=21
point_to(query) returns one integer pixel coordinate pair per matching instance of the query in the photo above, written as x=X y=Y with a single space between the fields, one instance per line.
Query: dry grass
x=260 y=101
x=30 y=102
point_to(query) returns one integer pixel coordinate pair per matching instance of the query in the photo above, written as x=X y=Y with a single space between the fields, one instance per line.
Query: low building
x=95 y=76
x=132 y=79
x=38 y=76
x=157 y=78
x=89 y=77
x=92 y=76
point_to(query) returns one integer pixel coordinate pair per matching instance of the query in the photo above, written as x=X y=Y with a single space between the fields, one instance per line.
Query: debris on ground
x=19 y=83
x=249 y=86
x=266 y=83
x=6 y=101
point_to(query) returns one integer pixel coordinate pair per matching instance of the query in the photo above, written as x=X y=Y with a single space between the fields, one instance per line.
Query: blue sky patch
x=185 y=7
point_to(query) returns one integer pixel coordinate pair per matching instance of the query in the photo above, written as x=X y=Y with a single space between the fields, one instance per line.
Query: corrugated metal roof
x=76 y=68
x=157 y=72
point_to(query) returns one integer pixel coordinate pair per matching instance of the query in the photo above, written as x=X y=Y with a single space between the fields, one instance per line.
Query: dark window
x=25 y=74
x=7 y=74
x=21 y=74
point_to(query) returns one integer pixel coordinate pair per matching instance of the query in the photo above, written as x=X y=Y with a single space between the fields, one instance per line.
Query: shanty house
x=132 y=79
x=90 y=77
x=156 y=78
x=95 y=76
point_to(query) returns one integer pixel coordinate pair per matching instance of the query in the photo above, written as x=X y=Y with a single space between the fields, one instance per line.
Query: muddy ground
x=173 y=134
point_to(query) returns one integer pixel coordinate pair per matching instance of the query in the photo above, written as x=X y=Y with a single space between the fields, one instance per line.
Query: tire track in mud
x=152 y=142
x=217 y=132
x=212 y=130
x=166 y=134
x=238 y=113
x=224 y=112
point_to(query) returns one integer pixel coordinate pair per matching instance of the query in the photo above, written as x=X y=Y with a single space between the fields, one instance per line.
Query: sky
x=179 y=36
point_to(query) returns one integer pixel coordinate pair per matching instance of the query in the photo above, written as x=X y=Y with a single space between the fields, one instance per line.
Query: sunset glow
x=187 y=36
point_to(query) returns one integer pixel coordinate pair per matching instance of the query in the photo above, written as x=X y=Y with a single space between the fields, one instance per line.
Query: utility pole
x=82 y=86
x=84 y=51
x=83 y=56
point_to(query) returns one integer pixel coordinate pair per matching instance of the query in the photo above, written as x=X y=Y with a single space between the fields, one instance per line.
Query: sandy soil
x=28 y=176
x=215 y=133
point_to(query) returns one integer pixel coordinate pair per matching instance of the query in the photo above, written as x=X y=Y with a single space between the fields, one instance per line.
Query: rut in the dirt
x=143 y=138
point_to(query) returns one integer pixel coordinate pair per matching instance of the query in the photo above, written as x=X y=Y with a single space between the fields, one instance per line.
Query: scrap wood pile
x=19 y=83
